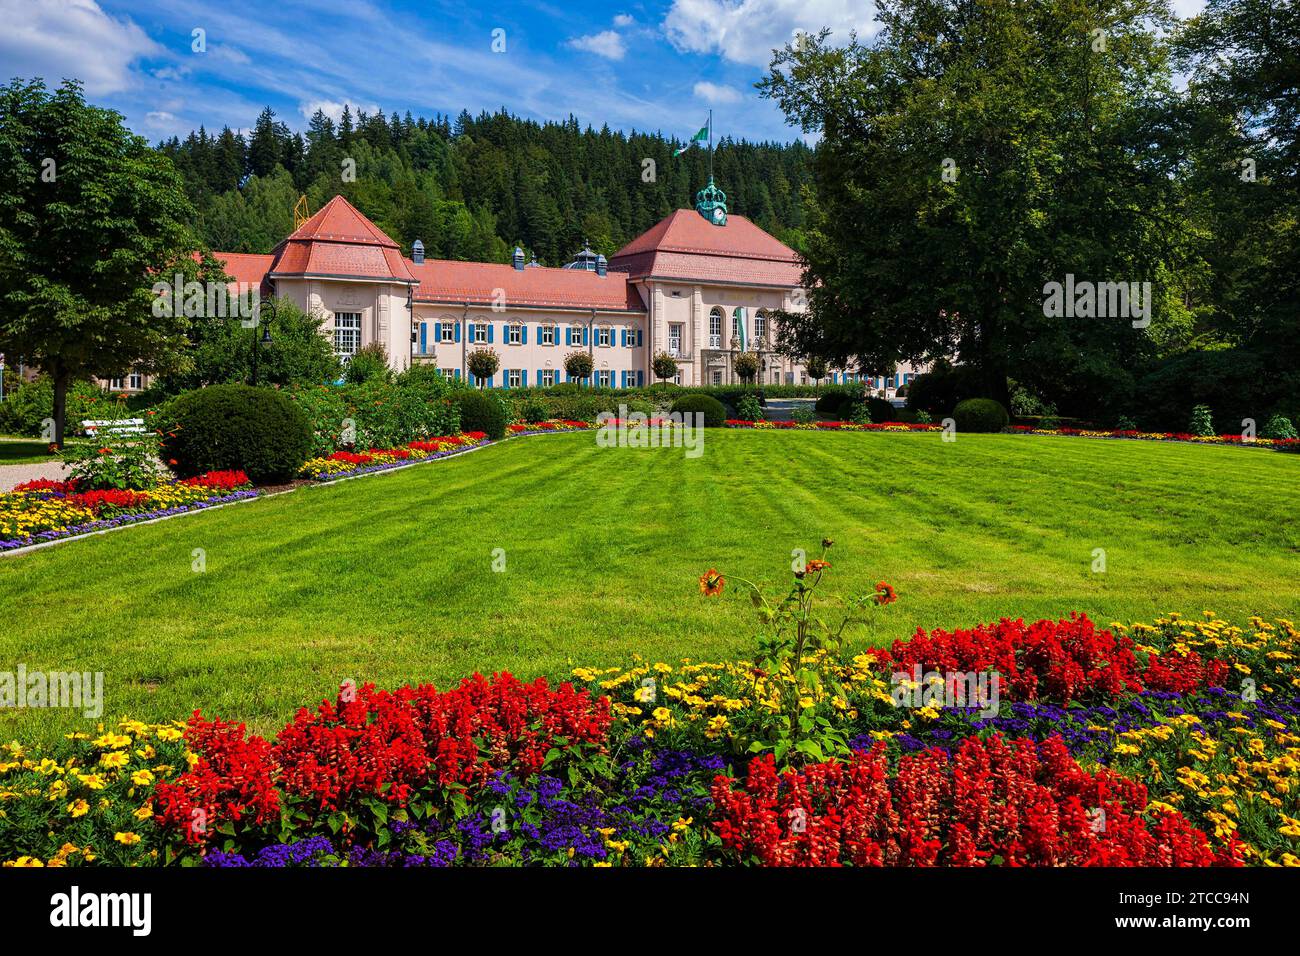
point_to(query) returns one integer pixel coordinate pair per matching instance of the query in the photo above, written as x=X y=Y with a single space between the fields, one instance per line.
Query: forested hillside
x=475 y=187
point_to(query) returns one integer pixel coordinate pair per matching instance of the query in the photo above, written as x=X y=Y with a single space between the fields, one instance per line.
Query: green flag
x=699 y=137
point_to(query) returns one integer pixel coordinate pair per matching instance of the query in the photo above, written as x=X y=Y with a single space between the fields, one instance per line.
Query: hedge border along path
x=1275 y=444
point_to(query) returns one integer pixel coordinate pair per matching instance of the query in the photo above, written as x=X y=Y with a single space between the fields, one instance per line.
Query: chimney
x=518 y=259
x=417 y=252
x=602 y=266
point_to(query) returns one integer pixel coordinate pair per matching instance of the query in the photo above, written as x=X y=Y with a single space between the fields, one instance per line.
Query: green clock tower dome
x=711 y=203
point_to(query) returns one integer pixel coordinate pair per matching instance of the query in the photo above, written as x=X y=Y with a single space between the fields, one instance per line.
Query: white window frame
x=548 y=334
x=480 y=333
x=514 y=378
x=604 y=378
x=715 y=330
x=115 y=384
x=135 y=380
x=760 y=325
x=347 y=330
x=675 y=332
x=548 y=378
x=604 y=336
x=515 y=334
x=448 y=333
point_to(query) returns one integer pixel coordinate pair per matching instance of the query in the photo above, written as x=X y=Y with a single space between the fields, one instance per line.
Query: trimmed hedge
x=237 y=427
x=980 y=415
x=480 y=412
x=715 y=414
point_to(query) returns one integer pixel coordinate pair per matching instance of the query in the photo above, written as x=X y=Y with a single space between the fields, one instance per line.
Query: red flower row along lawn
x=995 y=802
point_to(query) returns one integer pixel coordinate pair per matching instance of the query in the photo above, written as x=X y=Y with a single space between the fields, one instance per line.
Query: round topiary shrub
x=259 y=431
x=881 y=411
x=980 y=415
x=714 y=412
x=480 y=413
x=834 y=403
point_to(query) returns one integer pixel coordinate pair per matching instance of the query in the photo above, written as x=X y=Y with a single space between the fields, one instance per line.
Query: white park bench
x=118 y=426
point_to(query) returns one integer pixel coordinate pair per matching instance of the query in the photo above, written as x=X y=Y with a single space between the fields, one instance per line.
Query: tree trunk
x=61 y=382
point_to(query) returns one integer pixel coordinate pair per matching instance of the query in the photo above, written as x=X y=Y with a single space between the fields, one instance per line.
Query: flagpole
x=710 y=145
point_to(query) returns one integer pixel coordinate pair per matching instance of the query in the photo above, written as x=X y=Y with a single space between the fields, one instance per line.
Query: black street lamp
x=264 y=323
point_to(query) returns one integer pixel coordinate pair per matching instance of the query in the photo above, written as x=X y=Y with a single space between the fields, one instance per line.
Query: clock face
x=718 y=215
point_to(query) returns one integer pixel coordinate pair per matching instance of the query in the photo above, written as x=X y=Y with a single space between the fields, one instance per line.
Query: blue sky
x=643 y=64
x=646 y=65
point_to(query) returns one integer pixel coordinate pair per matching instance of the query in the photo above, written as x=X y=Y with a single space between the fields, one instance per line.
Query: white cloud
x=623 y=20
x=714 y=93
x=607 y=43
x=334 y=109
x=71 y=38
x=746 y=31
x=1188 y=8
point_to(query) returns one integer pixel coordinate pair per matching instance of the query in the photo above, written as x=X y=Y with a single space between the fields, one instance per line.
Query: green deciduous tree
x=970 y=154
x=90 y=216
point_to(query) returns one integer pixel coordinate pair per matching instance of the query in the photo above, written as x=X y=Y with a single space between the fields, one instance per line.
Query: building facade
x=701 y=285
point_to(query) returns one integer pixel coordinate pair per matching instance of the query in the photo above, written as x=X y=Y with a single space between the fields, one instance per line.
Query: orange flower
x=816 y=565
x=711 y=583
x=885 y=593
x=106 y=451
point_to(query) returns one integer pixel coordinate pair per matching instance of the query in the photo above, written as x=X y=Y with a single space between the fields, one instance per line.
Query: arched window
x=760 y=325
x=715 y=328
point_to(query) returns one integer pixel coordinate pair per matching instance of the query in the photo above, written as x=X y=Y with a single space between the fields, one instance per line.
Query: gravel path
x=11 y=475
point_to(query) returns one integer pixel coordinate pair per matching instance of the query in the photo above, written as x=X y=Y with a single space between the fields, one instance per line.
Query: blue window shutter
x=623 y=340
x=456 y=374
x=523 y=377
x=523 y=335
x=640 y=377
x=457 y=331
x=540 y=338
x=470 y=375
x=471 y=331
x=585 y=335
x=489 y=328
x=424 y=337
x=568 y=335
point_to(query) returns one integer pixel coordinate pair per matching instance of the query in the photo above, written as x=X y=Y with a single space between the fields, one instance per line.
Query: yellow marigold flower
x=26 y=862
x=145 y=812
x=112 y=741
x=660 y=713
x=115 y=759
x=142 y=778
x=169 y=734
x=127 y=839
x=78 y=808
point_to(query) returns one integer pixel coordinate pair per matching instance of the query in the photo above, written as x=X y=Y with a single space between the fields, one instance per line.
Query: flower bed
x=1280 y=444
x=348 y=464
x=546 y=427
x=1172 y=743
x=832 y=426
x=46 y=510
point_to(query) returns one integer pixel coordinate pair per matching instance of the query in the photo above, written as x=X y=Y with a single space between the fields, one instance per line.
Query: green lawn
x=23 y=451
x=389 y=578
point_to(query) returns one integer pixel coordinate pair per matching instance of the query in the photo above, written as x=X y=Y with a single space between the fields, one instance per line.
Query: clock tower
x=711 y=203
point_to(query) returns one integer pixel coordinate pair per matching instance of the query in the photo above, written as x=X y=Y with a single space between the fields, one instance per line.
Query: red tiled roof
x=443 y=280
x=687 y=246
x=247 y=267
x=339 y=241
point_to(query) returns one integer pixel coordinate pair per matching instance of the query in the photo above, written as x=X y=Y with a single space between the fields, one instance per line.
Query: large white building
x=700 y=284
